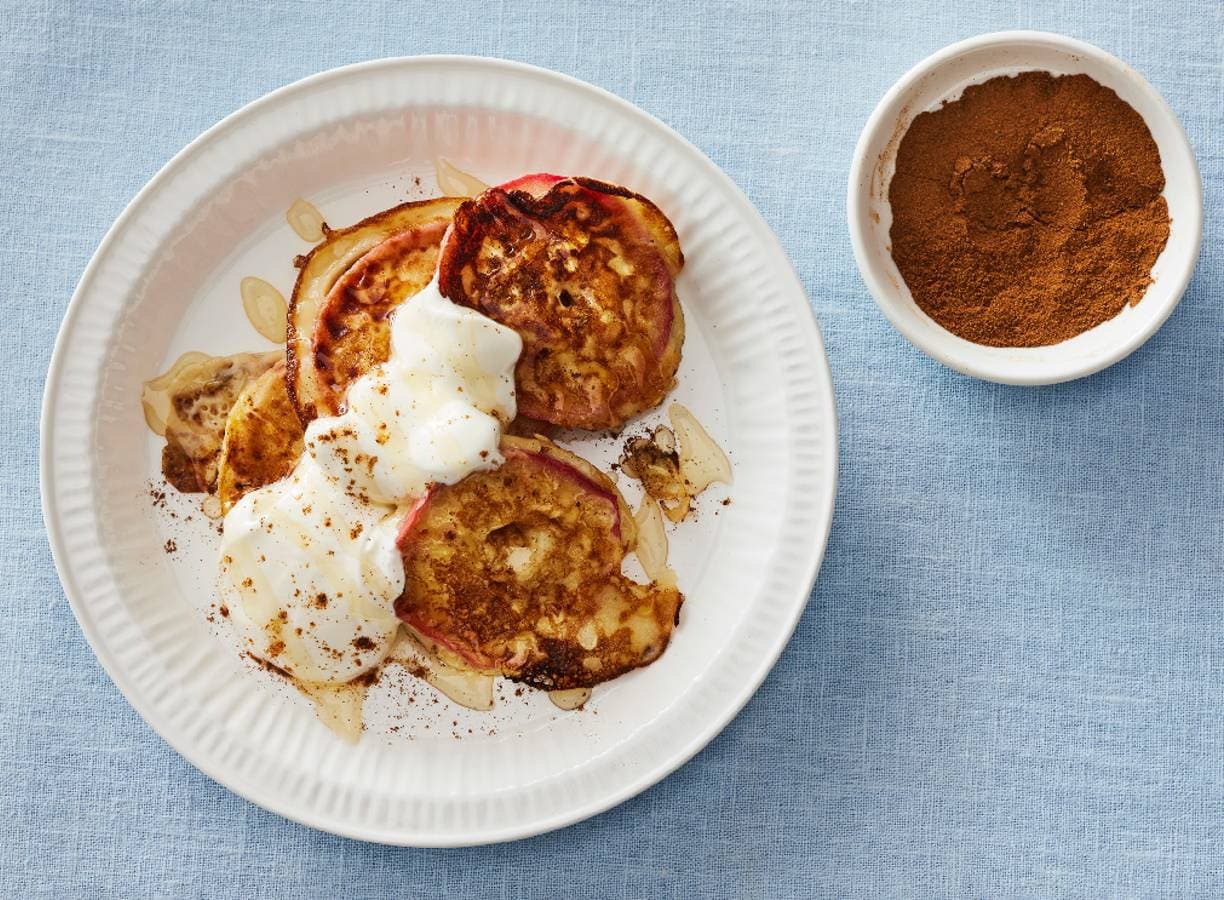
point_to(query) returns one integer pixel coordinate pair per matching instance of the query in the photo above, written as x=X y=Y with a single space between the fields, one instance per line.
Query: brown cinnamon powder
x=1028 y=210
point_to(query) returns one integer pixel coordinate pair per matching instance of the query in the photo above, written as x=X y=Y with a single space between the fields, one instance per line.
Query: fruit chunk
x=675 y=476
x=584 y=271
x=516 y=572
x=653 y=460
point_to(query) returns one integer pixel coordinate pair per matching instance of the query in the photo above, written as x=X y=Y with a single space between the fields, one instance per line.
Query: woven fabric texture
x=1009 y=679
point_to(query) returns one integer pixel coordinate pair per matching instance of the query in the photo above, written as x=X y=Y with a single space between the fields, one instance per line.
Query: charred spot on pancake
x=584 y=272
x=517 y=572
x=181 y=471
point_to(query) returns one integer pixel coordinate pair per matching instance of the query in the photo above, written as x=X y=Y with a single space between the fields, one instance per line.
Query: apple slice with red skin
x=585 y=272
x=537 y=184
x=516 y=571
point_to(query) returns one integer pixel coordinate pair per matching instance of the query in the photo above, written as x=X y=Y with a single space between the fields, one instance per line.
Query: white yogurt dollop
x=312 y=557
x=432 y=413
x=316 y=575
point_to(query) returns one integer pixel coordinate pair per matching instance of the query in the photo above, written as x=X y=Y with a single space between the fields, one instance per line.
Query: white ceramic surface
x=943 y=76
x=165 y=280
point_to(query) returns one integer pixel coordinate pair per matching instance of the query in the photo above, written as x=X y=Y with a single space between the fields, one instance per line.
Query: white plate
x=165 y=280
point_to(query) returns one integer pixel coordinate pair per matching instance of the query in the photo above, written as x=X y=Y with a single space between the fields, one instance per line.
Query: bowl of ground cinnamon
x=1025 y=208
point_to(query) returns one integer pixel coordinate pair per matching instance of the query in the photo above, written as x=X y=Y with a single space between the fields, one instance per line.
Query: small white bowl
x=942 y=77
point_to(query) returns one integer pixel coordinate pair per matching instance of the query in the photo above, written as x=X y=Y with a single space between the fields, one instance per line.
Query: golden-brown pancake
x=263 y=438
x=516 y=572
x=346 y=288
x=585 y=272
x=201 y=397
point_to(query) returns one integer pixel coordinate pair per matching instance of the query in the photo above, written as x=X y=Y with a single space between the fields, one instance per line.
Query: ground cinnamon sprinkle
x=1028 y=210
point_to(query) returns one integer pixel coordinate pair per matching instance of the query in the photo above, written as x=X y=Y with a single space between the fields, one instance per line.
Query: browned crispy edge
x=655 y=219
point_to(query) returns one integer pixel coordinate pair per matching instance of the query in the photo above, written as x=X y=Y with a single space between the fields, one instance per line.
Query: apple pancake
x=517 y=572
x=263 y=438
x=345 y=290
x=585 y=272
x=200 y=399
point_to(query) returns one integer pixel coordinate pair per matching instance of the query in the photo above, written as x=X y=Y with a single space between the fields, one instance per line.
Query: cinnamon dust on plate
x=1029 y=210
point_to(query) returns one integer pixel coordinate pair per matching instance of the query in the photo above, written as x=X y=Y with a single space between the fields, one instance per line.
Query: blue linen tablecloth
x=1010 y=678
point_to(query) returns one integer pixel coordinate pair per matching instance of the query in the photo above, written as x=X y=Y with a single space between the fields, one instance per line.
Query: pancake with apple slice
x=517 y=572
x=346 y=288
x=263 y=438
x=200 y=397
x=585 y=272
